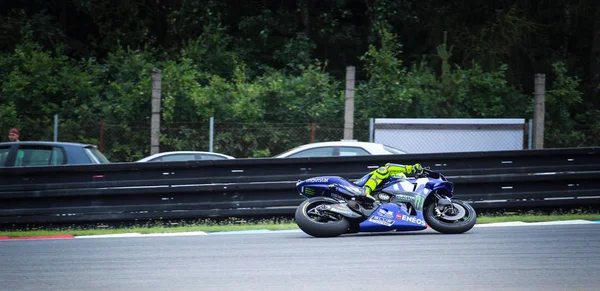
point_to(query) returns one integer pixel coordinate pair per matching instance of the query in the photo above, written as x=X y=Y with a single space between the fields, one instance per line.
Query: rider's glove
x=417 y=169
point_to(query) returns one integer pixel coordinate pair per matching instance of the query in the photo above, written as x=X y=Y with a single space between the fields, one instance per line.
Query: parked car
x=340 y=148
x=185 y=156
x=47 y=153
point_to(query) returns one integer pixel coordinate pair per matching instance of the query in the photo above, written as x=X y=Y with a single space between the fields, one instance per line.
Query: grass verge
x=239 y=224
x=205 y=225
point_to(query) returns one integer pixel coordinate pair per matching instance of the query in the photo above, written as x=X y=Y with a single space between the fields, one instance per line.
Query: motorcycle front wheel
x=315 y=221
x=456 y=218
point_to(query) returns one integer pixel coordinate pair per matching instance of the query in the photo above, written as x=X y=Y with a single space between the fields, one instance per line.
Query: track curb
x=39 y=237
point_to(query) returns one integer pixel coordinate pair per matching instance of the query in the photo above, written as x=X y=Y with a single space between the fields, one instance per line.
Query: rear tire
x=329 y=225
x=451 y=226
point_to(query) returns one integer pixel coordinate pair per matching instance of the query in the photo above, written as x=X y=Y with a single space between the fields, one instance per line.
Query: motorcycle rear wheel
x=461 y=218
x=319 y=223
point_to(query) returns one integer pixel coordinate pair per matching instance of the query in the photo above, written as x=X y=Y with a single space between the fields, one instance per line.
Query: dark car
x=46 y=153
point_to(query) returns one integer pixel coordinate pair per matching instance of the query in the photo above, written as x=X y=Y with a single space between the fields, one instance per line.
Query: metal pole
x=211 y=133
x=101 y=145
x=349 y=112
x=155 y=121
x=371 y=129
x=55 y=127
x=530 y=134
x=539 y=111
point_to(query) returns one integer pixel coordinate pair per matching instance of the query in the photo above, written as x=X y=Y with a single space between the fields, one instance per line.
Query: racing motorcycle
x=336 y=206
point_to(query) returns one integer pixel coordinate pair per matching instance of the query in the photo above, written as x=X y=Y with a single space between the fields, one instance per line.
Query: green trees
x=394 y=90
x=37 y=84
x=267 y=70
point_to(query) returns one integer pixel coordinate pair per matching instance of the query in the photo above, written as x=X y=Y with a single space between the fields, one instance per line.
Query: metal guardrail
x=262 y=187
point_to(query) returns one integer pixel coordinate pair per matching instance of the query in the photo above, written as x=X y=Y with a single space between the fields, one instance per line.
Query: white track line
x=520 y=223
x=135 y=234
x=259 y=231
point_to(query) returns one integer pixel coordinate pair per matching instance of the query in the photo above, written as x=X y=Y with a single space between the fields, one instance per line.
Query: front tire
x=320 y=223
x=459 y=218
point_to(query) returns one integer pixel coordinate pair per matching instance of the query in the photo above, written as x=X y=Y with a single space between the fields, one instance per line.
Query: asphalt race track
x=556 y=257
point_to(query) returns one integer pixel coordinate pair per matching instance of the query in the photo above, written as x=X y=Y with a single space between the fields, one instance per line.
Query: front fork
x=441 y=204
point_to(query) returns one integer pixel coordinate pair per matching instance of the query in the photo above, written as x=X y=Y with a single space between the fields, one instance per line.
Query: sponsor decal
x=381 y=220
x=419 y=201
x=405 y=197
x=317 y=180
x=411 y=219
x=309 y=191
x=416 y=200
x=385 y=213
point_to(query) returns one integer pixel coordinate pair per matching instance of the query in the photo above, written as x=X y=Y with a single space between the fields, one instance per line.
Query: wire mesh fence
x=242 y=140
x=269 y=139
x=124 y=143
x=127 y=142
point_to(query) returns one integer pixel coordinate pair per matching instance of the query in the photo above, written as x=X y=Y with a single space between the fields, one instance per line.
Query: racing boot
x=367 y=200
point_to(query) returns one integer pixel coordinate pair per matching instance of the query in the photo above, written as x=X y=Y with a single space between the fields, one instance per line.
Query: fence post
x=539 y=111
x=155 y=122
x=530 y=134
x=101 y=139
x=55 y=127
x=371 y=129
x=312 y=132
x=349 y=112
x=211 y=133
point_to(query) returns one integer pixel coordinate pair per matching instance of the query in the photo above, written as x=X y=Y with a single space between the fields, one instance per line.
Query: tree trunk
x=595 y=57
x=306 y=7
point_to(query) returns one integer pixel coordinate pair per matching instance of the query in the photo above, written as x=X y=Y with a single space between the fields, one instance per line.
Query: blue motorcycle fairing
x=361 y=182
x=389 y=216
x=428 y=185
x=390 y=182
x=319 y=186
x=446 y=187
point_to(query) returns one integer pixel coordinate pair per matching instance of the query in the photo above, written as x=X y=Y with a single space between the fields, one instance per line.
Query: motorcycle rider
x=385 y=172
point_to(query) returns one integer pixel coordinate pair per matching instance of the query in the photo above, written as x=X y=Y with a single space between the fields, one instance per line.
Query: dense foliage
x=267 y=70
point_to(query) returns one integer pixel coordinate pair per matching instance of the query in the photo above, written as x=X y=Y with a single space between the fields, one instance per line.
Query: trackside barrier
x=264 y=187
